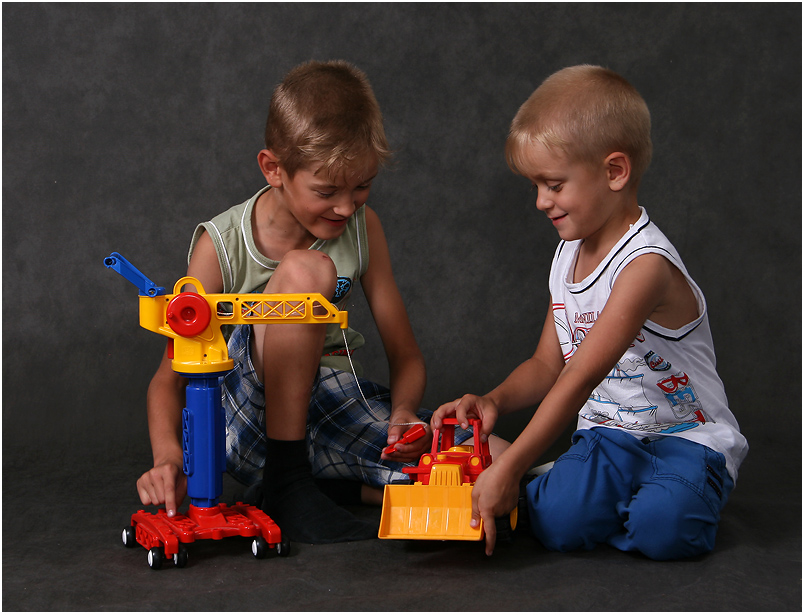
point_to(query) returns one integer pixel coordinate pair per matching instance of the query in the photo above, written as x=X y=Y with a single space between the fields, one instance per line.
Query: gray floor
x=62 y=551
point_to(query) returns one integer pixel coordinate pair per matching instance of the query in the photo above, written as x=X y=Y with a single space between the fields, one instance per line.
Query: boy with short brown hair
x=293 y=407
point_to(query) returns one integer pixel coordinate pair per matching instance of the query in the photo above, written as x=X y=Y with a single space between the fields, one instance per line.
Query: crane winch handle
x=133 y=275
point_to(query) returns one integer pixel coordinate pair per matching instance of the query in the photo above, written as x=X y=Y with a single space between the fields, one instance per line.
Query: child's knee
x=564 y=523
x=554 y=529
x=304 y=271
x=672 y=527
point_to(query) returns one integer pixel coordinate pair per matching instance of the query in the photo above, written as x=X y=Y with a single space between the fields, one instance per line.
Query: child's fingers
x=401 y=456
x=474 y=407
x=412 y=441
x=490 y=531
x=147 y=496
x=149 y=486
x=443 y=411
x=395 y=433
x=170 y=496
x=491 y=535
x=487 y=425
x=467 y=408
x=158 y=486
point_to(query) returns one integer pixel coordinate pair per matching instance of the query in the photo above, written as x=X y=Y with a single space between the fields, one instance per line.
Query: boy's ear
x=619 y=170
x=270 y=166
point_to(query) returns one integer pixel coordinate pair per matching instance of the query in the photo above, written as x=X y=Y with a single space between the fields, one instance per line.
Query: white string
x=349 y=356
x=358 y=384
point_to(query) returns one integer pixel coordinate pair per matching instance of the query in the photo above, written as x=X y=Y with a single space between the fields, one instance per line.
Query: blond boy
x=626 y=347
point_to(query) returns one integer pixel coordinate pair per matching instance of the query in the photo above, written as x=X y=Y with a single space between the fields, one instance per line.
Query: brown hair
x=586 y=112
x=326 y=112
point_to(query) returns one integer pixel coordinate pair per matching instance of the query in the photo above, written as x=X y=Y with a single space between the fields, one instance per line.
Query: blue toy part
x=204 y=440
x=133 y=275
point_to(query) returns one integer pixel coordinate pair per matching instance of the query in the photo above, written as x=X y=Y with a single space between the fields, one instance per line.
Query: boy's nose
x=543 y=202
x=346 y=206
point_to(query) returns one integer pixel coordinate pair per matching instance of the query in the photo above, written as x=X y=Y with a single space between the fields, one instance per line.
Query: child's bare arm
x=165 y=483
x=526 y=386
x=643 y=288
x=406 y=363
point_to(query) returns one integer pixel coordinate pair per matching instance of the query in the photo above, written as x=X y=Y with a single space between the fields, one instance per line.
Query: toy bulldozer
x=438 y=505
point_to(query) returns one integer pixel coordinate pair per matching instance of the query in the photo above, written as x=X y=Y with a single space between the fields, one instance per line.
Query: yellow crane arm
x=193 y=320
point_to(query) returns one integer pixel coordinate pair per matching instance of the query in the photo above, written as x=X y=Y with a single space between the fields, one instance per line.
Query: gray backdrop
x=126 y=125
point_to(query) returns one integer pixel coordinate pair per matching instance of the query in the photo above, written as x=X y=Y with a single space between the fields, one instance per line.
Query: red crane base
x=165 y=536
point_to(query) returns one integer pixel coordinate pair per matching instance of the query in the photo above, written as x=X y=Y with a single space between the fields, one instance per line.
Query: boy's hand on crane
x=466 y=408
x=163 y=484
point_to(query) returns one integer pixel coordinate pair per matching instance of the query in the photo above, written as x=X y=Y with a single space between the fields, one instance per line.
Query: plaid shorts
x=345 y=436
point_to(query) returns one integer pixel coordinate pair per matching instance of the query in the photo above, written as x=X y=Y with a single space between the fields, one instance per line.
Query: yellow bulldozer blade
x=428 y=512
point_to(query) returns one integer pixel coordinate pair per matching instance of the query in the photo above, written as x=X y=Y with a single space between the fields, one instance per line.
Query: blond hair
x=326 y=112
x=585 y=112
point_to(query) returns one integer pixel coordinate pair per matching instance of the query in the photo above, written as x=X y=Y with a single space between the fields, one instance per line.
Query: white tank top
x=666 y=383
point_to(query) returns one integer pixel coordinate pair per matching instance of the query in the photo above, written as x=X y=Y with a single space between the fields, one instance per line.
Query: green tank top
x=245 y=270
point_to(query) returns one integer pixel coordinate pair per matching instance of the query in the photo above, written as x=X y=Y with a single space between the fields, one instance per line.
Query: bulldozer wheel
x=505 y=527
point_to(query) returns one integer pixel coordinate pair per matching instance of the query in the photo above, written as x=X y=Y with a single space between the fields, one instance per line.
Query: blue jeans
x=662 y=497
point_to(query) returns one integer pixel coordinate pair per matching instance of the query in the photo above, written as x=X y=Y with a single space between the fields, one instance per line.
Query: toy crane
x=197 y=348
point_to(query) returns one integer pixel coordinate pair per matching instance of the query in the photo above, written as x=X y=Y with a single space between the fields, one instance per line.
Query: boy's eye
x=554 y=188
x=326 y=193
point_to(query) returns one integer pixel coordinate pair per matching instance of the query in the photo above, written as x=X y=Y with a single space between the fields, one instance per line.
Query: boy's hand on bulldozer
x=466 y=408
x=494 y=495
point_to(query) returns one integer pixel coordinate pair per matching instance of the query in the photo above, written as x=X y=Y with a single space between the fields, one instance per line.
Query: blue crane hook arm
x=133 y=275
